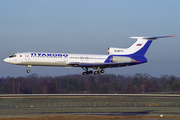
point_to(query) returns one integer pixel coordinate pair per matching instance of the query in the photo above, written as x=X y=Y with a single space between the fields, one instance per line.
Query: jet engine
x=120 y=59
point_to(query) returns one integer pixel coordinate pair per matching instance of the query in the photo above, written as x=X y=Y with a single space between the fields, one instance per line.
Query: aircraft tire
x=90 y=72
x=28 y=71
x=84 y=73
x=95 y=72
x=102 y=71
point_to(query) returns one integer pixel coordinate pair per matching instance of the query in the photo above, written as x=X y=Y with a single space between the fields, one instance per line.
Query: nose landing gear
x=28 y=71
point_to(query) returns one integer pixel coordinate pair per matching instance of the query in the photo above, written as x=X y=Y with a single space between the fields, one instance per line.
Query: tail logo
x=138 y=44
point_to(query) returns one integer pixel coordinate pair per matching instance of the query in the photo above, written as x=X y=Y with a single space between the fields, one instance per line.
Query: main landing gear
x=28 y=71
x=98 y=72
x=87 y=72
x=90 y=72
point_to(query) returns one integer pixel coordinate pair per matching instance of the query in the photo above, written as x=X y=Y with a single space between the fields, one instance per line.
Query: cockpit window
x=12 y=56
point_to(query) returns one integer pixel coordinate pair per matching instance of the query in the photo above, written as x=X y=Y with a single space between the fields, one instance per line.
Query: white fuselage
x=53 y=59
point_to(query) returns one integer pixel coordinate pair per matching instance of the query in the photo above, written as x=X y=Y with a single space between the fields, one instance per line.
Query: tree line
x=89 y=84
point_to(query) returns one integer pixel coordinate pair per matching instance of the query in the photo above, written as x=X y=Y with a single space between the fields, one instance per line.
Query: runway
x=107 y=105
x=125 y=95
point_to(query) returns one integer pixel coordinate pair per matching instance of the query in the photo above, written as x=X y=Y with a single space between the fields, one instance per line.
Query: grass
x=88 y=101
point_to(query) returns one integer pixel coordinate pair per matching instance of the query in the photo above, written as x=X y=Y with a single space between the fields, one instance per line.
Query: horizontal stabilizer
x=151 y=38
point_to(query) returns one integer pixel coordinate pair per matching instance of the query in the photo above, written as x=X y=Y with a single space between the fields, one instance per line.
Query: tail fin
x=142 y=44
x=135 y=51
x=139 y=47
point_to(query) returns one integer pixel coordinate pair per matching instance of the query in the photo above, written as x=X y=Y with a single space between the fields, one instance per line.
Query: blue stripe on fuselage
x=138 y=56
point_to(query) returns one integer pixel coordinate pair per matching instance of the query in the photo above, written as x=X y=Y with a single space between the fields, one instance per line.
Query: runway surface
x=131 y=95
x=116 y=105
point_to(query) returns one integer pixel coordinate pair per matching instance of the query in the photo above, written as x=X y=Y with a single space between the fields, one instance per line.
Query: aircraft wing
x=102 y=65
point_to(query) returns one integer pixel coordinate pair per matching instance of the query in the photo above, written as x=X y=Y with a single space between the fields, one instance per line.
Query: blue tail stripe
x=139 y=55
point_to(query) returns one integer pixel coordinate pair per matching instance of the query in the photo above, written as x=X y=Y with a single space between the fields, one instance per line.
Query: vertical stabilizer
x=142 y=44
x=135 y=51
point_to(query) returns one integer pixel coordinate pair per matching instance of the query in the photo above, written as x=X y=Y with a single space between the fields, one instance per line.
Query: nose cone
x=6 y=60
x=11 y=60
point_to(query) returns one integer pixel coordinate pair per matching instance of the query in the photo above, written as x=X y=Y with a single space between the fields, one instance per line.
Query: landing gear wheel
x=28 y=71
x=99 y=72
x=90 y=72
x=102 y=71
x=95 y=72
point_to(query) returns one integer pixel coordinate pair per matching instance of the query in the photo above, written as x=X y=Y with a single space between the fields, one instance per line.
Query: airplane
x=117 y=57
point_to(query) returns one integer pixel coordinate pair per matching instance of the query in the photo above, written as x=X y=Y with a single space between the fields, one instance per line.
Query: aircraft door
x=27 y=57
x=65 y=57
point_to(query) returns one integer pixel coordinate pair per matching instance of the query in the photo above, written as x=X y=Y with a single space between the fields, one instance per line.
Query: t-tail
x=135 y=52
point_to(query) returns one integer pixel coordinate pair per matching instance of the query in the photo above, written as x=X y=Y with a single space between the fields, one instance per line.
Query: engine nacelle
x=119 y=59
x=115 y=50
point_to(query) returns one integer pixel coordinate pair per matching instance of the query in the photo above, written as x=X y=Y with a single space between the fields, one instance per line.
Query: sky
x=89 y=27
